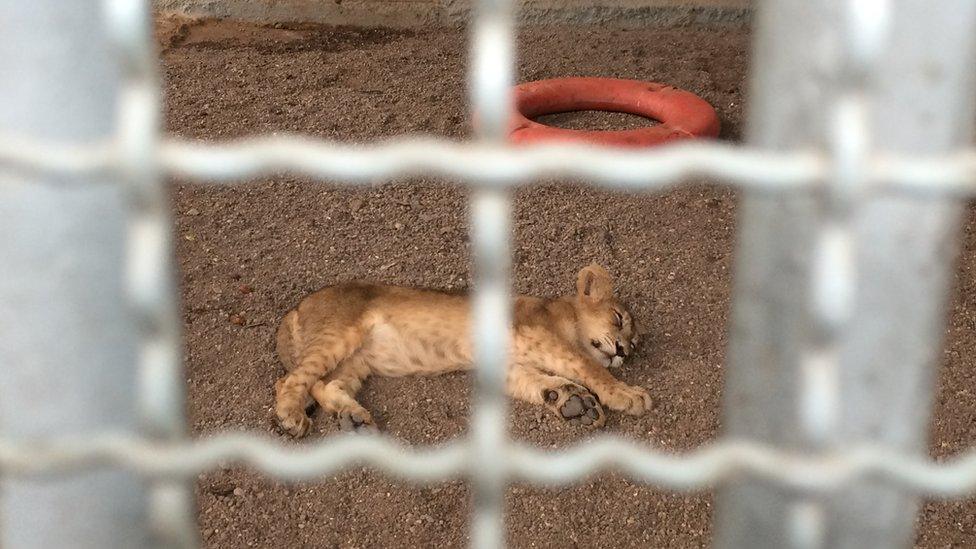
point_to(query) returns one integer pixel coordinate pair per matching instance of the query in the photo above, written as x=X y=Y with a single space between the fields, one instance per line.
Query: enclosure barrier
x=832 y=169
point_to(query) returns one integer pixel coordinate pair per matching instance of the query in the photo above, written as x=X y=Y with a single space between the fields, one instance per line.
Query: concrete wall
x=415 y=13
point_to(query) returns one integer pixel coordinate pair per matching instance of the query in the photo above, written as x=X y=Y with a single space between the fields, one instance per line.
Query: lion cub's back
x=358 y=306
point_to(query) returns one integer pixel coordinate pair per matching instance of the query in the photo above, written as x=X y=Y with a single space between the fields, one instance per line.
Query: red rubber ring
x=683 y=115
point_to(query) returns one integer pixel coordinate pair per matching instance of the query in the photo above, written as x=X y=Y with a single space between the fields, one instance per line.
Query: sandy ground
x=249 y=253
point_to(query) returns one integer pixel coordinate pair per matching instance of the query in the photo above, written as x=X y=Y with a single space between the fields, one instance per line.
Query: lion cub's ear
x=594 y=283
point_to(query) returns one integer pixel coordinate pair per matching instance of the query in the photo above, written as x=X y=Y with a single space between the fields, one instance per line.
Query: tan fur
x=339 y=336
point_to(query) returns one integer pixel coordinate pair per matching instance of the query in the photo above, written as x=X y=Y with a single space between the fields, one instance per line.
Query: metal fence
x=847 y=237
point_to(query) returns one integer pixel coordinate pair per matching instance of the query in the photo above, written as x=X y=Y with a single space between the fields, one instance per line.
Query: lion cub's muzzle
x=621 y=353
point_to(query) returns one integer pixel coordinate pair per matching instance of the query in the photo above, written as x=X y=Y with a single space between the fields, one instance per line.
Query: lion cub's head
x=606 y=330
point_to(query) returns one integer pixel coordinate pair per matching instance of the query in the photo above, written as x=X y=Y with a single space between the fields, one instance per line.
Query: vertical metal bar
x=67 y=344
x=491 y=82
x=490 y=224
x=149 y=261
x=919 y=96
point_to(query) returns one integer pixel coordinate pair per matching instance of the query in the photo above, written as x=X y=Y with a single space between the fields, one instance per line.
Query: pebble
x=193 y=211
x=221 y=488
x=239 y=492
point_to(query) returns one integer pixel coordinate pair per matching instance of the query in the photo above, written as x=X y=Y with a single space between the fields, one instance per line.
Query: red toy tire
x=683 y=115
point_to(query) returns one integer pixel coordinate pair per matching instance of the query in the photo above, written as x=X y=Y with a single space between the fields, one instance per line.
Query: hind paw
x=575 y=404
x=358 y=421
x=294 y=422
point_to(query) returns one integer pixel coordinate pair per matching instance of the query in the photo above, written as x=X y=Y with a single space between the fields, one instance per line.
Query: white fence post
x=490 y=83
x=848 y=77
x=67 y=343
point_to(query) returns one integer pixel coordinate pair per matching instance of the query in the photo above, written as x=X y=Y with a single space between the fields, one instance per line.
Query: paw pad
x=575 y=405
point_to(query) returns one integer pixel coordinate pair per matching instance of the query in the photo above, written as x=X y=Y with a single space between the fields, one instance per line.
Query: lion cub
x=561 y=349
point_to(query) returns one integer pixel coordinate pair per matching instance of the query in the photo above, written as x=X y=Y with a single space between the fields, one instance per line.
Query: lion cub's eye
x=595 y=343
x=618 y=319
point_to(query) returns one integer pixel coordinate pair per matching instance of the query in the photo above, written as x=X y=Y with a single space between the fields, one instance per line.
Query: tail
x=289 y=343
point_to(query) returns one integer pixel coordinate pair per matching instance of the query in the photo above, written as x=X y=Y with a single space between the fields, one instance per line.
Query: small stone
x=239 y=492
x=190 y=237
x=355 y=204
x=237 y=319
x=398 y=226
x=245 y=289
x=193 y=211
x=221 y=488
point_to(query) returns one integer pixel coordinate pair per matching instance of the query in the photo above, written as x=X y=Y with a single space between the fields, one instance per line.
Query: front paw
x=628 y=399
x=293 y=421
x=575 y=405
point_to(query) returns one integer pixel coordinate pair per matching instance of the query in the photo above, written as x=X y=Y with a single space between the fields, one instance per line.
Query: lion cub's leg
x=317 y=360
x=547 y=353
x=337 y=394
x=569 y=401
x=615 y=394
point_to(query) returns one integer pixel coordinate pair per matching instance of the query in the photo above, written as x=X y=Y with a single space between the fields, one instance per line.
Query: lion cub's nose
x=620 y=350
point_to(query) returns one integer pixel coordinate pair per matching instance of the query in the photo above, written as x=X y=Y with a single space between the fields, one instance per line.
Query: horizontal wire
x=48 y=158
x=493 y=165
x=487 y=164
x=715 y=463
x=696 y=470
x=470 y=162
x=159 y=458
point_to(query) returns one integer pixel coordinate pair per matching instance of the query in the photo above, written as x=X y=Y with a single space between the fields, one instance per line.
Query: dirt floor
x=249 y=253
